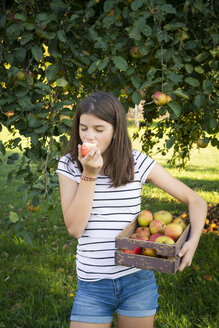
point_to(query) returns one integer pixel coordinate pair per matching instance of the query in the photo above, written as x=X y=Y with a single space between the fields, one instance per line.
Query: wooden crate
x=147 y=262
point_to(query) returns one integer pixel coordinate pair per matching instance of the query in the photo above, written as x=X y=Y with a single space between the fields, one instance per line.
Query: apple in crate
x=165 y=240
x=144 y=218
x=156 y=226
x=149 y=252
x=86 y=148
x=145 y=231
x=181 y=222
x=173 y=230
x=135 y=250
x=155 y=236
x=164 y=216
x=138 y=236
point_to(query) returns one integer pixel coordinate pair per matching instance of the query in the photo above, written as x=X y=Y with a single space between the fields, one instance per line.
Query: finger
x=183 y=250
x=79 y=152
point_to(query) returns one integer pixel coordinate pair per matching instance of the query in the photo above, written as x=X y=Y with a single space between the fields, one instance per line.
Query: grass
x=38 y=282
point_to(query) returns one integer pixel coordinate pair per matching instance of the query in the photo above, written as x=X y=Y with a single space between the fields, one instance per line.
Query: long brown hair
x=120 y=163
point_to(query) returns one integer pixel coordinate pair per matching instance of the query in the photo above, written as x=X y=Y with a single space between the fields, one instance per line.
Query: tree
x=55 y=52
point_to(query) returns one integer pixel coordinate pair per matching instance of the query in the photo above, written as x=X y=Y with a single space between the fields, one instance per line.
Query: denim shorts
x=133 y=295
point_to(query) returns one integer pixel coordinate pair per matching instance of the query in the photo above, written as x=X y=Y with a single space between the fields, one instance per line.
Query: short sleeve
x=143 y=164
x=68 y=168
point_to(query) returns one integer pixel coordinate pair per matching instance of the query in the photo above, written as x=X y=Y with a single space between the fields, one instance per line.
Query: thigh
x=93 y=304
x=76 y=324
x=131 y=322
x=139 y=295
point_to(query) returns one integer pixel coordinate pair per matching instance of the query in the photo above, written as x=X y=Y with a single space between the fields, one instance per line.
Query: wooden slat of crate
x=147 y=262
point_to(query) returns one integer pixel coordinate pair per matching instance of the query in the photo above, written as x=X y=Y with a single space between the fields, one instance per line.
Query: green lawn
x=37 y=283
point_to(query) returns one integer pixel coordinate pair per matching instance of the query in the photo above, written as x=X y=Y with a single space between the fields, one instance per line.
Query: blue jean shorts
x=133 y=295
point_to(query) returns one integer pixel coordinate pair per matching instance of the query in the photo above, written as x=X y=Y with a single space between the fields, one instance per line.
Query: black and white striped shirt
x=112 y=210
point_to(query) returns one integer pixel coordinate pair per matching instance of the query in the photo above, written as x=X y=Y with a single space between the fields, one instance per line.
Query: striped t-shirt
x=112 y=210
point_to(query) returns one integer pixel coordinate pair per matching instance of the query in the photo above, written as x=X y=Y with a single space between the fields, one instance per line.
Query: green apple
x=165 y=240
x=164 y=216
x=144 y=218
x=180 y=221
x=201 y=143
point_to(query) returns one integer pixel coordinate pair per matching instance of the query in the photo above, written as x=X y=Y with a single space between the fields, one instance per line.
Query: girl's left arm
x=197 y=209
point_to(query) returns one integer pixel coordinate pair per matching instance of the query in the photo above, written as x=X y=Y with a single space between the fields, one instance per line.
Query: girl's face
x=94 y=130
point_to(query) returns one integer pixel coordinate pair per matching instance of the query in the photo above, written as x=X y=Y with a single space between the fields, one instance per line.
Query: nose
x=89 y=135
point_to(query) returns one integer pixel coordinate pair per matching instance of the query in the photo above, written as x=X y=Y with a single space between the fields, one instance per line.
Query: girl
x=100 y=196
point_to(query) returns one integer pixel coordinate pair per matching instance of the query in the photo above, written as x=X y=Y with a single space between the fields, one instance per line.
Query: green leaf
x=212 y=123
x=67 y=122
x=207 y=86
x=174 y=77
x=170 y=142
x=199 y=69
x=201 y=57
x=215 y=38
x=26 y=37
x=103 y=63
x=37 y=53
x=189 y=68
x=28 y=238
x=191 y=81
x=136 y=4
x=136 y=81
x=180 y=93
x=167 y=8
x=52 y=71
x=20 y=55
x=136 y=97
x=61 y=36
x=2 y=148
x=21 y=91
x=108 y=5
x=61 y=82
x=20 y=17
x=176 y=108
x=13 y=217
x=199 y=100
x=120 y=63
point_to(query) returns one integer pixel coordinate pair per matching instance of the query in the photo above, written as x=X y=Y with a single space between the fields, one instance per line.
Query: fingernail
x=180 y=254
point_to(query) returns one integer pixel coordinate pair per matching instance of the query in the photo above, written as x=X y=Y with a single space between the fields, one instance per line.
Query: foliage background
x=53 y=53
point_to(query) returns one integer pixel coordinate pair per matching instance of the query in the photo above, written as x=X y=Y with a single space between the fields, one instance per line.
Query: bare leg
x=131 y=322
x=77 y=324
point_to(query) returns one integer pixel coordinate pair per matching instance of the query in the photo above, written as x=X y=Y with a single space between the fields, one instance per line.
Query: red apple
x=156 y=226
x=149 y=252
x=159 y=98
x=144 y=218
x=137 y=236
x=164 y=216
x=135 y=53
x=155 y=236
x=135 y=250
x=165 y=240
x=86 y=148
x=145 y=231
x=181 y=222
x=173 y=230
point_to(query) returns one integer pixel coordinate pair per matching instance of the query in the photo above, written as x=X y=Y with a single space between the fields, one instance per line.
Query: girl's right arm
x=77 y=199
